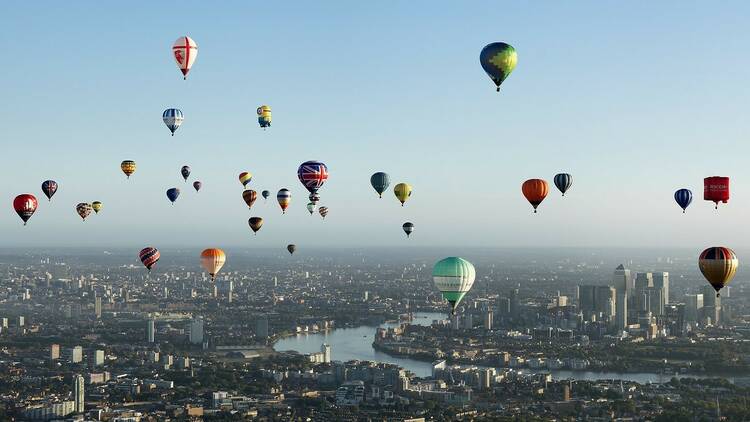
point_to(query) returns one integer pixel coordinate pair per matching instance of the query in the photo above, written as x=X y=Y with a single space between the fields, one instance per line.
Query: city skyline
x=618 y=111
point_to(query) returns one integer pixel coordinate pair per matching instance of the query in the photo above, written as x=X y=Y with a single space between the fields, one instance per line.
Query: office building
x=98 y=307
x=21 y=321
x=150 y=330
x=597 y=302
x=693 y=307
x=261 y=327
x=78 y=393
x=196 y=330
x=76 y=354
x=488 y=320
x=99 y=358
x=622 y=280
x=54 y=352
x=514 y=303
x=621 y=310
x=711 y=305
x=326 y=350
x=661 y=281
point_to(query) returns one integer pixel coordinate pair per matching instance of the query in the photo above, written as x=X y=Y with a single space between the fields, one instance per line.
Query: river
x=356 y=344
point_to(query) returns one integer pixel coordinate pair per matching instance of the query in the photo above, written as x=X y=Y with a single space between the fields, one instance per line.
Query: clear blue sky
x=634 y=99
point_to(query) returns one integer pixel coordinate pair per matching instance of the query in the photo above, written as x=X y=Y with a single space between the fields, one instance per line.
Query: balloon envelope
x=212 y=260
x=149 y=256
x=683 y=197
x=128 y=167
x=311 y=207
x=185 y=172
x=197 y=185
x=718 y=265
x=284 y=197
x=563 y=181
x=264 y=116
x=323 y=211
x=173 y=194
x=173 y=118
x=312 y=175
x=245 y=178
x=498 y=60
x=408 y=228
x=49 y=187
x=96 y=206
x=380 y=182
x=291 y=249
x=255 y=223
x=84 y=210
x=535 y=190
x=716 y=189
x=25 y=205
x=185 y=51
x=402 y=192
x=453 y=276
x=266 y=194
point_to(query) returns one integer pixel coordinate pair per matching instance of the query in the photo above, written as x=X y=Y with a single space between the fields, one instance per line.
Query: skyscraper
x=196 y=330
x=514 y=303
x=711 y=305
x=261 y=327
x=99 y=358
x=622 y=280
x=54 y=352
x=621 y=310
x=326 y=350
x=98 y=307
x=693 y=307
x=76 y=354
x=488 y=320
x=78 y=393
x=661 y=281
x=150 y=329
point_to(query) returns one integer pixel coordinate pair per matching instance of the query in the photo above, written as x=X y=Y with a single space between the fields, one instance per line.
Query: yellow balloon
x=403 y=192
x=96 y=206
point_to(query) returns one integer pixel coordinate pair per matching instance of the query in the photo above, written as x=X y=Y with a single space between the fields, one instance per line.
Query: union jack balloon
x=185 y=50
x=312 y=174
x=149 y=256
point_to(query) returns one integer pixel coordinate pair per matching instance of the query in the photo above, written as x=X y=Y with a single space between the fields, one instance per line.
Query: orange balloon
x=212 y=260
x=535 y=190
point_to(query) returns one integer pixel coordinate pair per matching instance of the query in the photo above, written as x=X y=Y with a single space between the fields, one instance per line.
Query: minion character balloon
x=264 y=116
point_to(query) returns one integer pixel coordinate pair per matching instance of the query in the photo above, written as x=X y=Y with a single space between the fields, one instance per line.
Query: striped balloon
x=380 y=182
x=284 y=197
x=245 y=177
x=454 y=277
x=212 y=260
x=718 y=265
x=249 y=196
x=563 y=181
x=323 y=211
x=128 y=167
x=149 y=256
x=172 y=118
x=408 y=228
x=683 y=197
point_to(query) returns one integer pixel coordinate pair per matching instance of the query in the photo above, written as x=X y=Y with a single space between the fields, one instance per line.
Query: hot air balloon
x=535 y=190
x=185 y=171
x=498 y=60
x=255 y=223
x=84 y=210
x=172 y=118
x=683 y=197
x=314 y=197
x=716 y=189
x=563 y=181
x=718 y=265
x=284 y=197
x=49 y=187
x=265 y=194
x=212 y=260
x=454 y=277
x=264 y=116
x=185 y=50
x=312 y=175
x=128 y=167
x=323 y=211
x=408 y=228
x=291 y=249
x=245 y=178
x=403 y=192
x=311 y=207
x=380 y=182
x=25 y=206
x=149 y=256
x=96 y=206
x=197 y=185
x=249 y=196
x=173 y=194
